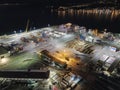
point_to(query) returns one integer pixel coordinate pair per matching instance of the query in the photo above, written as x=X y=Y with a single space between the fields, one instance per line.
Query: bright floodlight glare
x=58 y=45
x=3 y=60
x=64 y=50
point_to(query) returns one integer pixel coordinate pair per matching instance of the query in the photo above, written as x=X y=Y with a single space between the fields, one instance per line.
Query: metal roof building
x=27 y=74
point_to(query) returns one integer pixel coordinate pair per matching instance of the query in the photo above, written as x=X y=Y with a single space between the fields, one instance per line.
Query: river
x=14 y=18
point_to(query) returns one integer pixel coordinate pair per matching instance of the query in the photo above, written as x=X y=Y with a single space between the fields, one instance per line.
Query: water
x=14 y=18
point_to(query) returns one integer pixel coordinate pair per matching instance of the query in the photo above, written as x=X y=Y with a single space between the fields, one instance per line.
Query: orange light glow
x=65 y=56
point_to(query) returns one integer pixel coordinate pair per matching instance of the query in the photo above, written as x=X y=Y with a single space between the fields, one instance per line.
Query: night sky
x=47 y=2
x=55 y=2
x=36 y=1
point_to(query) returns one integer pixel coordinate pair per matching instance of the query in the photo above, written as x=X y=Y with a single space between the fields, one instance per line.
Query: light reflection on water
x=97 y=13
x=14 y=18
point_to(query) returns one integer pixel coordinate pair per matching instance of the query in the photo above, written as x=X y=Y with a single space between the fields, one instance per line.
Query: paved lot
x=28 y=58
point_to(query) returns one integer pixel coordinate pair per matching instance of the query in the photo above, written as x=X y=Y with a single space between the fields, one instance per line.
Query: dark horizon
x=51 y=1
x=58 y=2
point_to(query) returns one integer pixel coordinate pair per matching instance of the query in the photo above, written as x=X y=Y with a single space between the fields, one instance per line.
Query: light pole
x=14 y=32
